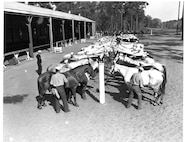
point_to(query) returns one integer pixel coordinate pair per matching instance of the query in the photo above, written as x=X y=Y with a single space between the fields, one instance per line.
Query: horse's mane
x=120 y=62
x=82 y=66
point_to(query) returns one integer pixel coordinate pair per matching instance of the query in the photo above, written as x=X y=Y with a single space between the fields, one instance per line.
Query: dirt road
x=92 y=121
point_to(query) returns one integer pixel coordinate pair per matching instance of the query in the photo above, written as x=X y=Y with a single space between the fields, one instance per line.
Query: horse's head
x=90 y=71
x=93 y=63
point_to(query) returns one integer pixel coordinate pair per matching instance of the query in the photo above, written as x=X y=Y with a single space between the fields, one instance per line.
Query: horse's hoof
x=154 y=104
x=161 y=102
x=70 y=102
x=139 y=108
x=84 y=98
x=67 y=111
x=128 y=106
x=39 y=107
x=76 y=105
x=44 y=105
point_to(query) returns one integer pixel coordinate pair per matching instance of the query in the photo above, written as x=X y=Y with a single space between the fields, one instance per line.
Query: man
x=58 y=81
x=136 y=82
x=39 y=62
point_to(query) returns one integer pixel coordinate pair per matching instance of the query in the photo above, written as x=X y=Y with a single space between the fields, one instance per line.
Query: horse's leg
x=83 y=91
x=161 y=99
x=130 y=98
x=43 y=95
x=139 y=100
x=41 y=99
x=161 y=102
x=41 y=102
x=157 y=95
x=74 y=95
x=128 y=87
x=68 y=95
x=56 y=105
x=137 y=90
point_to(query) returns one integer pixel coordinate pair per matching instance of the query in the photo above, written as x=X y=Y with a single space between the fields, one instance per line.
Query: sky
x=164 y=9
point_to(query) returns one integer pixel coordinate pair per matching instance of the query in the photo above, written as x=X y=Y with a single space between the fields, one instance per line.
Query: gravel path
x=92 y=121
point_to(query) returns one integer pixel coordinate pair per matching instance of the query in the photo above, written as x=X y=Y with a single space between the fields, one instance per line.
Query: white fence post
x=28 y=55
x=101 y=83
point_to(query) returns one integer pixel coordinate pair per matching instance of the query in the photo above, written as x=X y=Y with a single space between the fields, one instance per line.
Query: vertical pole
x=121 y=20
x=63 y=30
x=30 y=36
x=101 y=83
x=137 y=23
x=178 y=19
x=131 y=25
x=182 y=22
x=88 y=29
x=73 y=30
x=85 y=30
x=79 y=31
x=51 y=34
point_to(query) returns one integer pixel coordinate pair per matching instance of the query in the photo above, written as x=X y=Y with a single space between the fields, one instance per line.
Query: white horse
x=152 y=78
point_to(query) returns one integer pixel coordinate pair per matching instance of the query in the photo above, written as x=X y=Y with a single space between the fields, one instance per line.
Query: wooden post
x=101 y=83
x=51 y=34
x=150 y=31
x=178 y=20
x=182 y=37
x=73 y=31
x=63 y=29
x=79 y=33
x=29 y=18
x=84 y=29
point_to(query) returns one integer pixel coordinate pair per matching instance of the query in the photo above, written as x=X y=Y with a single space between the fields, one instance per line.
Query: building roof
x=22 y=8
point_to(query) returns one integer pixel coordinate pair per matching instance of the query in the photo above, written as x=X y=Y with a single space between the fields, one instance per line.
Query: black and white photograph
x=92 y=71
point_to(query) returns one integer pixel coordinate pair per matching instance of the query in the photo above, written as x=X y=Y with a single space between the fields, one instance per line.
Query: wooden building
x=28 y=27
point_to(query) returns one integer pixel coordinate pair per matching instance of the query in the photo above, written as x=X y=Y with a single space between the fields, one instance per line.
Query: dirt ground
x=92 y=121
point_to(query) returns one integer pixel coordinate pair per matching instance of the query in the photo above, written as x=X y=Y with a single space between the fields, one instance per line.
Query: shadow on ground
x=14 y=99
x=122 y=95
x=165 y=52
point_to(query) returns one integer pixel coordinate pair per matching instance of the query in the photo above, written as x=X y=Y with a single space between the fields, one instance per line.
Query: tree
x=109 y=16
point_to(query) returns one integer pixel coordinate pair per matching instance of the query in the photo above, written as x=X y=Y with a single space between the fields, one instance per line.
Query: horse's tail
x=39 y=85
x=163 y=84
x=43 y=82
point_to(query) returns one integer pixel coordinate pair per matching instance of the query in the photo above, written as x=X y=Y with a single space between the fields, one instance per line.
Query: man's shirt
x=58 y=79
x=137 y=79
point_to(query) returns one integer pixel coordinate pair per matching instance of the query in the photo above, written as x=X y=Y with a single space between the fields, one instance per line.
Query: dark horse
x=76 y=77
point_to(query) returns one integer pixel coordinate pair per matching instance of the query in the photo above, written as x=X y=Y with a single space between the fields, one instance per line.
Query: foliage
x=111 y=15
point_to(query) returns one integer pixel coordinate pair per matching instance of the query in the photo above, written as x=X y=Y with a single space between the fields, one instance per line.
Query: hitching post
x=101 y=83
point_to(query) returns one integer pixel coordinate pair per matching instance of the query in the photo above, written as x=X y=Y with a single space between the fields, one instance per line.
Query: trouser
x=135 y=89
x=62 y=94
x=39 y=69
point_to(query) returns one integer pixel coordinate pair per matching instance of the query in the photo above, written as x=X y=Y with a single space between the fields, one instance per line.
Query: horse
x=77 y=76
x=152 y=77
